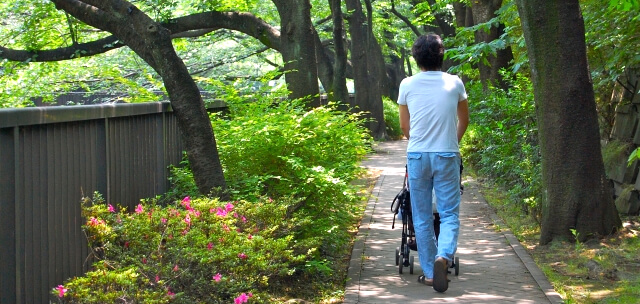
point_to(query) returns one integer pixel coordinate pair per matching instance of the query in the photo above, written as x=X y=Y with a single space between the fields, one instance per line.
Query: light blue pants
x=438 y=173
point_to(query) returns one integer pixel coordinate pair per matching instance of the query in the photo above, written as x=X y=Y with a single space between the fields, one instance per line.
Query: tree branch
x=217 y=64
x=84 y=49
x=187 y=26
x=246 y=23
x=404 y=19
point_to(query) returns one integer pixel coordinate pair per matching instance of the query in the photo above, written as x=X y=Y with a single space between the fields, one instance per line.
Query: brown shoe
x=440 y=282
x=422 y=279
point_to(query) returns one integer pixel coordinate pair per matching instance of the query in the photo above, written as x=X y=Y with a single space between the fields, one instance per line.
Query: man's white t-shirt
x=432 y=98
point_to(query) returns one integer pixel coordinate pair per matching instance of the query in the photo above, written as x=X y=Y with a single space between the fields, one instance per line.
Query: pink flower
x=169 y=293
x=139 y=209
x=126 y=244
x=175 y=268
x=163 y=220
x=221 y=212
x=186 y=202
x=111 y=209
x=144 y=260
x=157 y=278
x=217 y=277
x=226 y=228
x=250 y=236
x=187 y=220
x=242 y=256
x=228 y=207
x=243 y=298
x=61 y=291
x=235 y=214
x=210 y=246
x=244 y=219
x=93 y=221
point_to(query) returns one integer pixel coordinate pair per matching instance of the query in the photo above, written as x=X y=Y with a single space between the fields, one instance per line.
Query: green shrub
x=392 y=118
x=278 y=148
x=501 y=142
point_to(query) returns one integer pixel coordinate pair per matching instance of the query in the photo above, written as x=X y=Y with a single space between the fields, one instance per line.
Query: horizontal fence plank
x=47 y=115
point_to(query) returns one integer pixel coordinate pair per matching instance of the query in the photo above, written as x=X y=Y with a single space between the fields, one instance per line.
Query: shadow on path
x=494 y=268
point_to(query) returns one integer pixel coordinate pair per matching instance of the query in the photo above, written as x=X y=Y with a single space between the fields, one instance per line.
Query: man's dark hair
x=428 y=51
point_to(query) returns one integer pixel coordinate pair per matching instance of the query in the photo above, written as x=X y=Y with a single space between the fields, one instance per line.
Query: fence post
x=8 y=216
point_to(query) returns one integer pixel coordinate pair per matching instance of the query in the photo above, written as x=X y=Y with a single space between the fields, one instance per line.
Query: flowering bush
x=191 y=251
x=289 y=168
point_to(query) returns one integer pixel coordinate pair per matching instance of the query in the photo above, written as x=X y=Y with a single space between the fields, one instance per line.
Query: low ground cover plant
x=288 y=229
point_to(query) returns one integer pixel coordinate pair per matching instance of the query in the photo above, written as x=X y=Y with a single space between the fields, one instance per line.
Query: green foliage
x=182 y=182
x=501 y=141
x=278 y=147
x=635 y=155
x=624 y=5
x=611 y=46
x=467 y=52
x=392 y=118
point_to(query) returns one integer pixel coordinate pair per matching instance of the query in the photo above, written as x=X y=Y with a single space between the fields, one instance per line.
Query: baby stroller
x=402 y=205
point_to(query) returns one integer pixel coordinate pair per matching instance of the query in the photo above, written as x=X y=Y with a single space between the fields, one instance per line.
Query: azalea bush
x=191 y=251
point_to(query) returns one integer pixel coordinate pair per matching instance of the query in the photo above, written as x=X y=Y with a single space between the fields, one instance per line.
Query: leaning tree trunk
x=366 y=76
x=152 y=43
x=298 y=49
x=577 y=194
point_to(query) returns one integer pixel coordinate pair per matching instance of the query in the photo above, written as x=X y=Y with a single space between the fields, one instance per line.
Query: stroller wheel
x=411 y=264
x=400 y=265
x=397 y=256
x=457 y=265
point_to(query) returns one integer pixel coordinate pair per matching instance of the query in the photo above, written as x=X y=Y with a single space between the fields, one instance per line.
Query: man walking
x=434 y=114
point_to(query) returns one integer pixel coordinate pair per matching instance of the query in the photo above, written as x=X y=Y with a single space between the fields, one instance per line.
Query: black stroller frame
x=402 y=204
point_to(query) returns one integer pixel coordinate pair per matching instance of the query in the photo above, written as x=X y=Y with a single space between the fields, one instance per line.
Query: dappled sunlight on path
x=490 y=269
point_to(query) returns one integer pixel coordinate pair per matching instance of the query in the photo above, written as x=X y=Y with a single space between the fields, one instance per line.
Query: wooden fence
x=49 y=158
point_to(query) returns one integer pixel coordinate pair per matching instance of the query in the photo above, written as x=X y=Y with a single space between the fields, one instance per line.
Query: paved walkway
x=494 y=267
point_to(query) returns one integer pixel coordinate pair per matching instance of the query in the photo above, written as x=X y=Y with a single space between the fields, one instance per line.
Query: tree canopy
x=151 y=50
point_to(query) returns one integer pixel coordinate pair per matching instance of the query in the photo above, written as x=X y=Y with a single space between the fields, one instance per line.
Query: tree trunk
x=340 y=91
x=460 y=11
x=578 y=195
x=298 y=49
x=152 y=43
x=366 y=75
x=483 y=11
x=395 y=69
